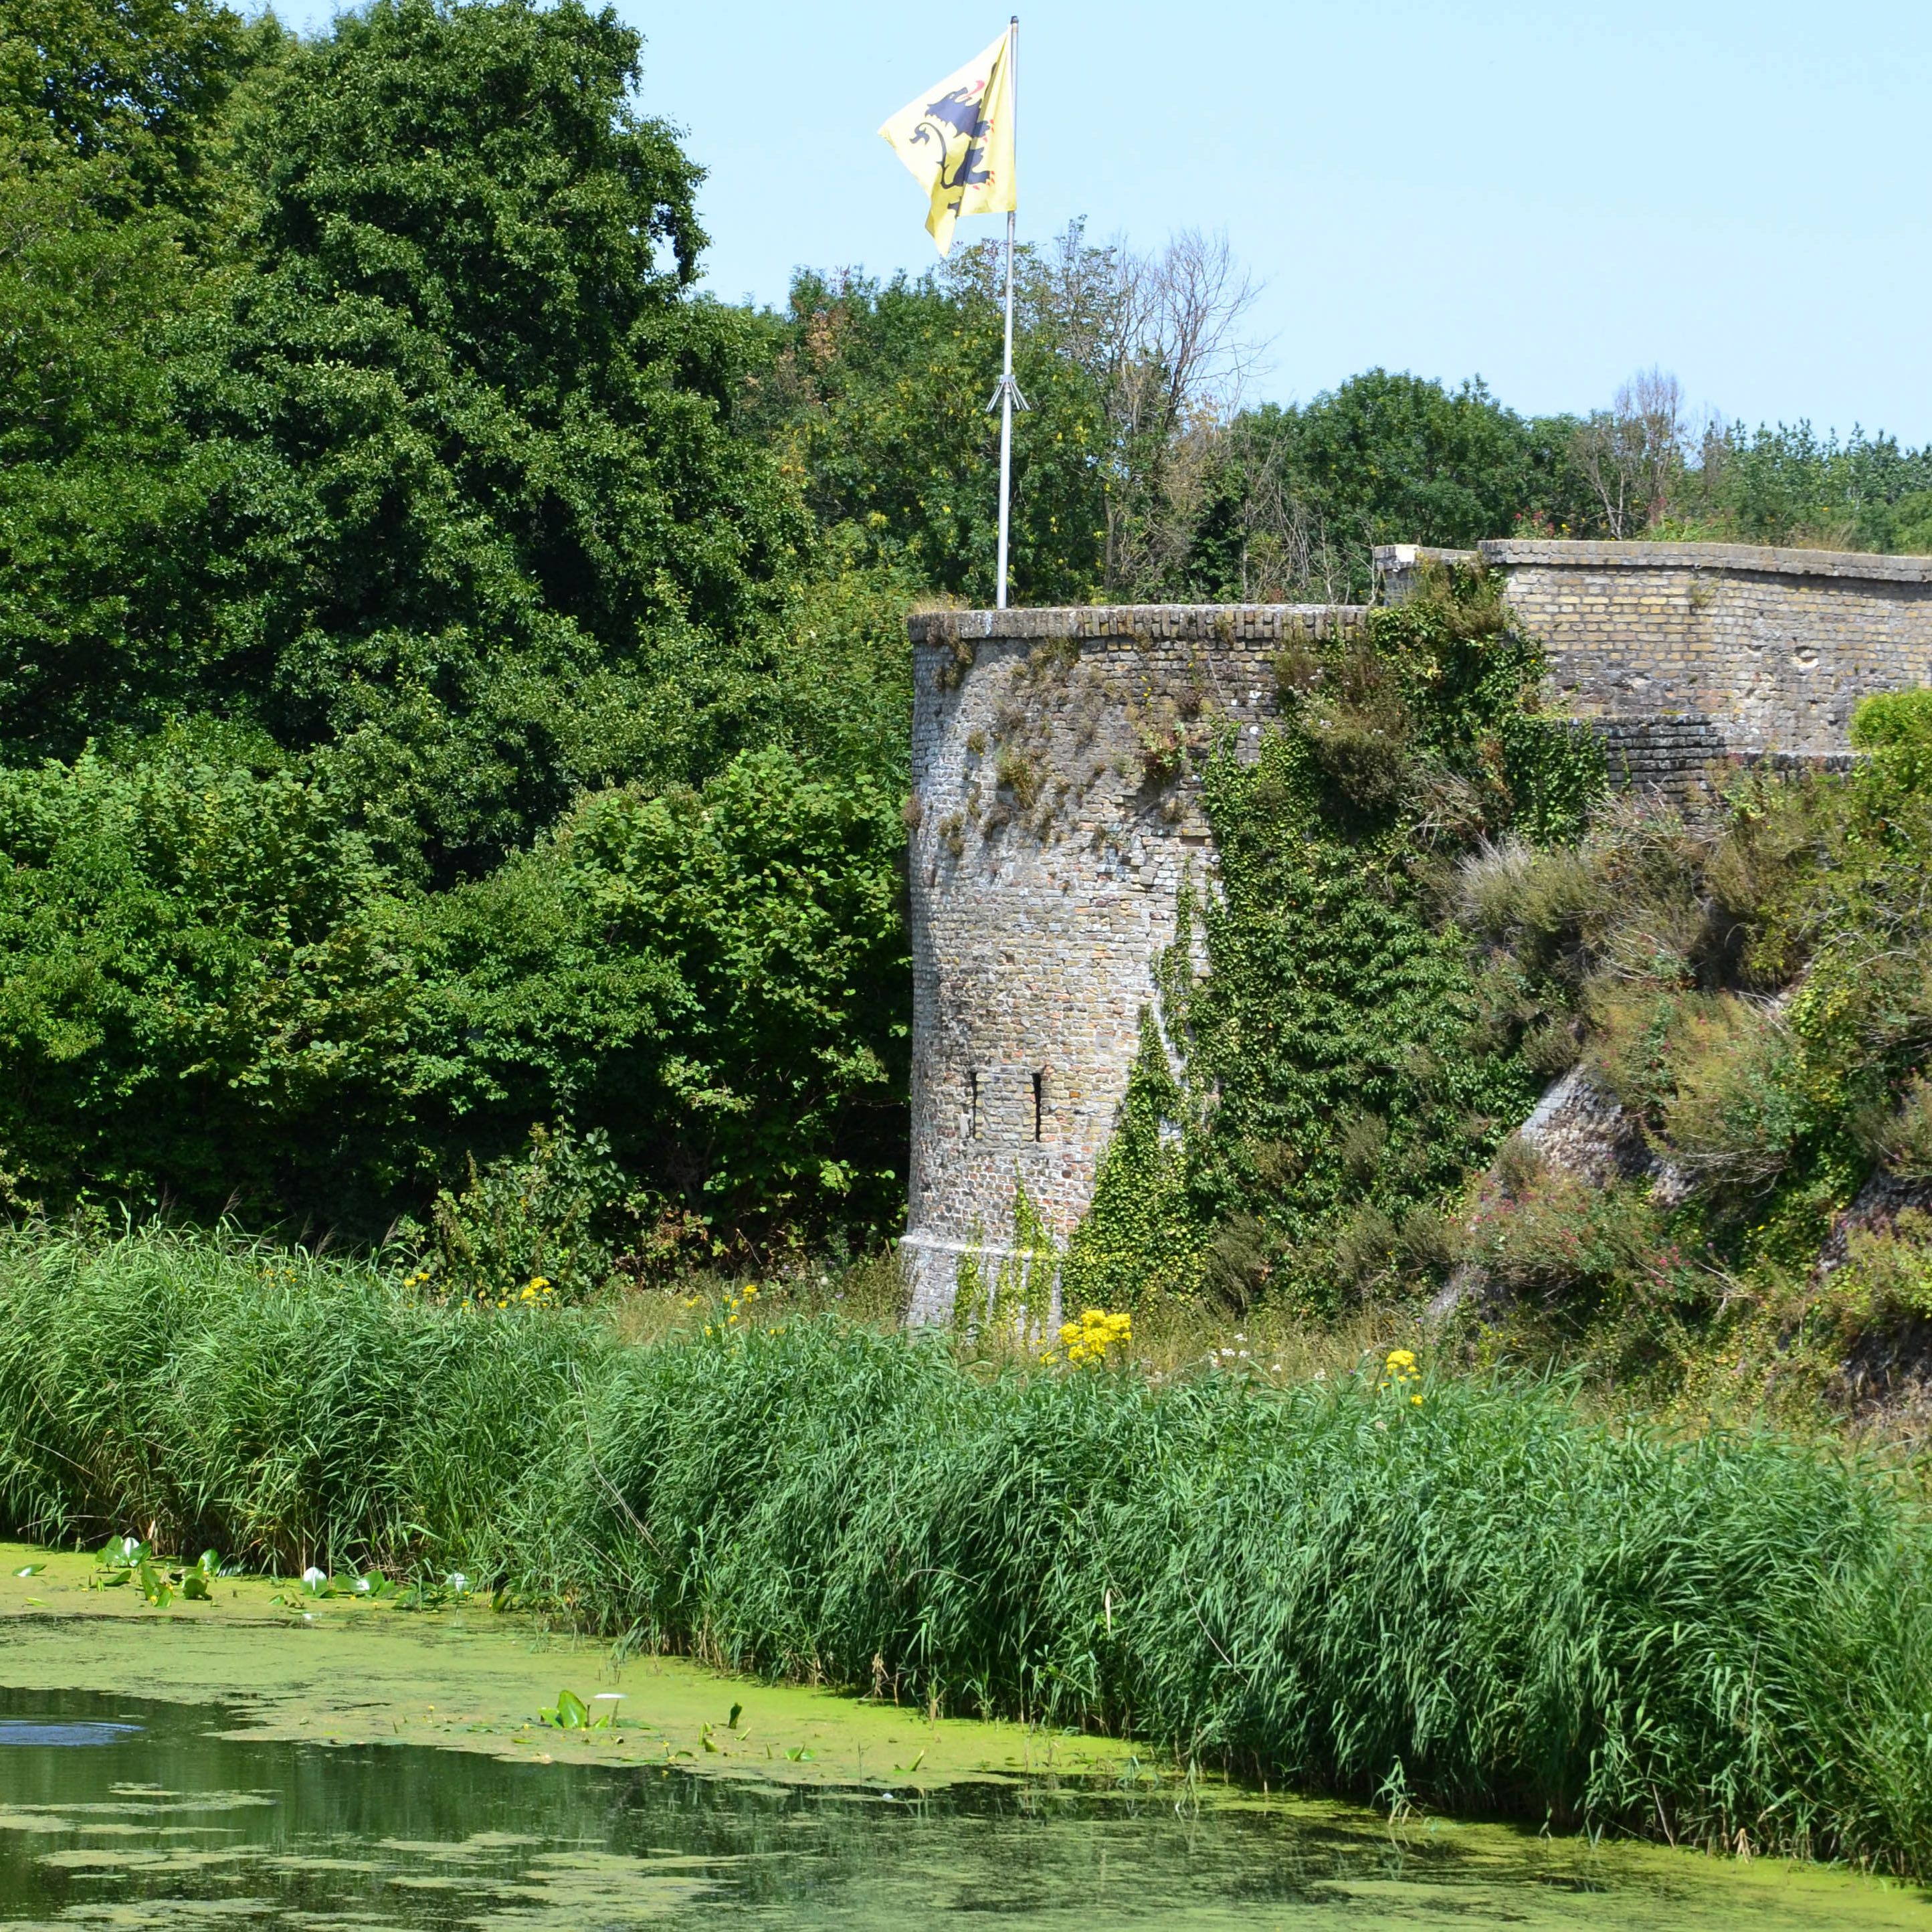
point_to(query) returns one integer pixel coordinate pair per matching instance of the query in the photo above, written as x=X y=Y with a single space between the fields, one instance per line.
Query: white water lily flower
x=313 y=1579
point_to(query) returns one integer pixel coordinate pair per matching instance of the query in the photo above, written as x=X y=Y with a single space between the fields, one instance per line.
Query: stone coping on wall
x=1397 y=560
x=1511 y=552
x=1229 y=622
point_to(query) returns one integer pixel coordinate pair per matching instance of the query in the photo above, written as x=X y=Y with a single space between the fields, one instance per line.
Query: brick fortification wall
x=1050 y=841
x=1050 y=838
x=1688 y=655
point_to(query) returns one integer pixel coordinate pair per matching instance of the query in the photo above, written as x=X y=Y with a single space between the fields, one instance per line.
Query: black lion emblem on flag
x=959 y=113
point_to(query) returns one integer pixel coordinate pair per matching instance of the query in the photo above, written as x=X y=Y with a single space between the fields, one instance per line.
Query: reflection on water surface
x=160 y=1821
x=31 y=1731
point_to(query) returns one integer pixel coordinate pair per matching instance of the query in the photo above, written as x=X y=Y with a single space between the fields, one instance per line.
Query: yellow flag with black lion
x=957 y=138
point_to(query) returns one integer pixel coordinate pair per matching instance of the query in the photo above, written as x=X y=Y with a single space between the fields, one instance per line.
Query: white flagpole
x=1006 y=373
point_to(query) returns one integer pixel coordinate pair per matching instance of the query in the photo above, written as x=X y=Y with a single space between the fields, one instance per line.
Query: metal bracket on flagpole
x=1000 y=389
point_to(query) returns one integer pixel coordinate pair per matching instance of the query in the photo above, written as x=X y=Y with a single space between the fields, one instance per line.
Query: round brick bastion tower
x=1054 y=822
x=1054 y=818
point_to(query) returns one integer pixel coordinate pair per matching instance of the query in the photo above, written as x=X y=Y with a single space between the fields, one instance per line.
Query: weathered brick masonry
x=1686 y=655
x=1049 y=844
x=1050 y=837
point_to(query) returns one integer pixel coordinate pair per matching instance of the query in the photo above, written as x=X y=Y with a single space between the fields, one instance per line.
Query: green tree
x=876 y=396
x=1789 y=484
x=212 y=991
x=133 y=89
x=379 y=501
x=1304 y=492
x=114 y=221
x=453 y=495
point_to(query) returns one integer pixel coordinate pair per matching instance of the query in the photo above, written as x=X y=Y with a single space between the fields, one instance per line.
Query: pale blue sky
x=1548 y=196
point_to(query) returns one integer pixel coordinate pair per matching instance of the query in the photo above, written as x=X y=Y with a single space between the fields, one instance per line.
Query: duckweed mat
x=326 y=1762
x=339 y=1670
x=126 y=1811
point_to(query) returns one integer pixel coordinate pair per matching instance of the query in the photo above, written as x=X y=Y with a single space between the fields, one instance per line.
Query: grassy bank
x=1481 y=1600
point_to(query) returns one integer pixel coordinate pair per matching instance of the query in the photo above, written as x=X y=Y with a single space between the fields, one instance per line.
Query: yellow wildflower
x=1090 y=1339
x=1399 y=1370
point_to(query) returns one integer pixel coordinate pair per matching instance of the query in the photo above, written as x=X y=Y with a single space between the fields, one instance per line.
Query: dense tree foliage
x=1772 y=485
x=1300 y=495
x=217 y=990
x=1137 y=480
x=877 y=395
x=876 y=398
x=415 y=681
x=451 y=491
x=452 y=671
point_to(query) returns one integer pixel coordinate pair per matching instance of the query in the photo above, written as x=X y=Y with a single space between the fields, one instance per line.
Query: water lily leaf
x=30 y=1570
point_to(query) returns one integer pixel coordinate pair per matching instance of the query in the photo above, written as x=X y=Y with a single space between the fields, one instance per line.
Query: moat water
x=118 y=1812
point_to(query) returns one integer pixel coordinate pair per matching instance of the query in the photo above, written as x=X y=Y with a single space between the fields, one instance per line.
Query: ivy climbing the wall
x=1303 y=1112
x=1009 y=1290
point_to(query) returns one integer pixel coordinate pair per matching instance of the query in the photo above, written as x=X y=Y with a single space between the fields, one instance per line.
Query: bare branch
x=1635 y=453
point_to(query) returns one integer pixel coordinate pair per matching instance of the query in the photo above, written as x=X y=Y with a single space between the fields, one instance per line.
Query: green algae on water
x=348 y=1762
x=343 y=1670
x=407 y=1835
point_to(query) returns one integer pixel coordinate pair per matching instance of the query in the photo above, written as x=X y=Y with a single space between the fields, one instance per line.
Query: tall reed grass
x=284 y=1409
x=1482 y=1601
